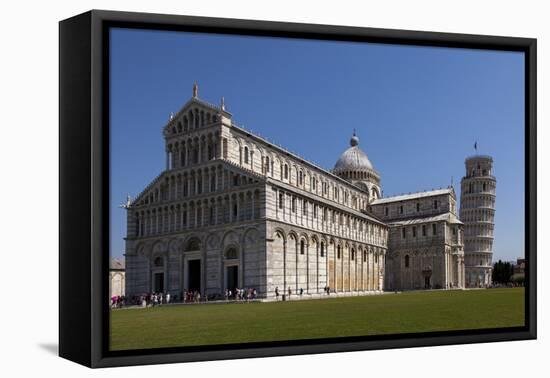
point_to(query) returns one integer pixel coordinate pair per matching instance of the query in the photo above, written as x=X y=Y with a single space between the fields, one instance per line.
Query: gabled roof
x=449 y=217
x=163 y=174
x=200 y=103
x=417 y=195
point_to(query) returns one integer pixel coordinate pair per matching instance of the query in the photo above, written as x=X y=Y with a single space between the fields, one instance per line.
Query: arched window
x=364 y=256
x=352 y=254
x=417 y=207
x=246 y=155
x=406 y=261
x=338 y=252
x=302 y=247
x=231 y=254
x=191 y=119
x=267 y=164
x=193 y=245
x=158 y=262
x=300 y=178
x=286 y=171
x=322 y=249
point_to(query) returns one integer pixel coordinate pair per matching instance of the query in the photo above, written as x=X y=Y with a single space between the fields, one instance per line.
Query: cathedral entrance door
x=427 y=273
x=232 y=275
x=194 y=268
x=158 y=283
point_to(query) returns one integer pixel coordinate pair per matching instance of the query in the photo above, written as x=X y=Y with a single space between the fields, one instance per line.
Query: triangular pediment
x=156 y=190
x=197 y=113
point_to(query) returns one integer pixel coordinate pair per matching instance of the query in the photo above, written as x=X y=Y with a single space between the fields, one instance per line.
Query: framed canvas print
x=234 y=188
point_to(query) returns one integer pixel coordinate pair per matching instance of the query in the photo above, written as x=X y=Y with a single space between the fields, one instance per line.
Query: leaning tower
x=477 y=212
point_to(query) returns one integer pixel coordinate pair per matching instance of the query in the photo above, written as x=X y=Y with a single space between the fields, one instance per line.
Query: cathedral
x=233 y=210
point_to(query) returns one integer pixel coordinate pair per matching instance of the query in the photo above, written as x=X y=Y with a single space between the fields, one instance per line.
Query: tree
x=502 y=272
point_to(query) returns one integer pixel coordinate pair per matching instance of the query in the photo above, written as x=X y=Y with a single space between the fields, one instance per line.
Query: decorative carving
x=213 y=240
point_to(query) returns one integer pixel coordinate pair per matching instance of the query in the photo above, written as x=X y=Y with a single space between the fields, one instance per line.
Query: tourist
x=277 y=293
x=301 y=292
x=167 y=298
x=289 y=293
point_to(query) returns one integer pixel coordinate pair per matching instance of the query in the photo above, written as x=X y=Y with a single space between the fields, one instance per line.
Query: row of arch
x=478 y=260
x=177 y=217
x=479 y=186
x=193 y=182
x=487 y=201
x=305 y=212
x=368 y=175
x=193 y=119
x=273 y=164
x=479 y=169
x=479 y=229
x=193 y=150
x=469 y=215
x=475 y=244
x=312 y=262
x=171 y=258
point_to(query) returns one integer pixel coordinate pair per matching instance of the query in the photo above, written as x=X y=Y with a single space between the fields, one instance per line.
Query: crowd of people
x=190 y=296
x=194 y=296
x=289 y=293
x=241 y=294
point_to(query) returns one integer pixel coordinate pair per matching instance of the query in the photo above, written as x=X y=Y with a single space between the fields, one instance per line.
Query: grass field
x=187 y=325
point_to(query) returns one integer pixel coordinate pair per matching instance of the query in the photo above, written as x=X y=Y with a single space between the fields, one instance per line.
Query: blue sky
x=417 y=110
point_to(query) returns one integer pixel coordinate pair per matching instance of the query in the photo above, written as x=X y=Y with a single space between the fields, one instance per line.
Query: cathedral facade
x=233 y=210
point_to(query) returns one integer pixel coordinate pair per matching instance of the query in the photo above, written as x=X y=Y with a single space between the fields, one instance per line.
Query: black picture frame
x=84 y=186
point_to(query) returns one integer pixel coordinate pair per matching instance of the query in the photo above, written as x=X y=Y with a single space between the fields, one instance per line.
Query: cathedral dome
x=353 y=159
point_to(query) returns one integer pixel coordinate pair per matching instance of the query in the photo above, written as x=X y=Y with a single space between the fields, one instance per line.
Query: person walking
x=289 y=293
x=276 y=293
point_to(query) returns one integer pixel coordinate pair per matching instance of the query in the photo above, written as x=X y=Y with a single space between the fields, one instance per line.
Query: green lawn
x=186 y=325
